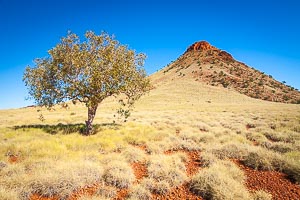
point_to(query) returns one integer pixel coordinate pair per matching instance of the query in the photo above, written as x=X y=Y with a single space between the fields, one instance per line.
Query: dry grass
x=139 y=192
x=155 y=186
x=169 y=168
x=55 y=158
x=133 y=154
x=106 y=192
x=221 y=180
x=7 y=194
x=263 y=159
x=118 y=174
x=261 y=195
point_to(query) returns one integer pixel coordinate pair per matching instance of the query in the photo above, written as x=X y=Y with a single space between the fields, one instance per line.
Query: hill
x=207 y=64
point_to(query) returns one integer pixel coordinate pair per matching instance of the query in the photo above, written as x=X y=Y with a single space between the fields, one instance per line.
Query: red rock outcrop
x=201 y=46
x=225 y=56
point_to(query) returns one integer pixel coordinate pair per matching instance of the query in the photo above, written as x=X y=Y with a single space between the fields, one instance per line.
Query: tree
x=87 y=71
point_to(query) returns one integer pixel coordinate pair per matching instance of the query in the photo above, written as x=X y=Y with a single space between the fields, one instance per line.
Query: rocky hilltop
x=205 y=63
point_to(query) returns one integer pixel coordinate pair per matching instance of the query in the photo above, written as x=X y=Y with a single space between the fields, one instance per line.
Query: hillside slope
x=206 y=64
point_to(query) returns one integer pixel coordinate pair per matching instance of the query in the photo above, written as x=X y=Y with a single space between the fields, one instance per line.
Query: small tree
x=87 y=71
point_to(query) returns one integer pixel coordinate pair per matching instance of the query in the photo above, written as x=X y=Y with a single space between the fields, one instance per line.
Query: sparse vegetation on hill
x=207 y=64
x=183 y=143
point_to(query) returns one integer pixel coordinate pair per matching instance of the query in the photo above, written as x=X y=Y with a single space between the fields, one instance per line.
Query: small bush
x=118 y=174
x=156 y=186
x=263 y=159
x=61 y=179
x=261 y=195
x=278 y=137
x=8 y=194
x=138 y=192
x=230 y=150
x=293 y=171
x=222 y=180
x=281 y=147
x=106 y=192
x=169 y=168
x=256 y=137
x=133 y=154
x=208 y=158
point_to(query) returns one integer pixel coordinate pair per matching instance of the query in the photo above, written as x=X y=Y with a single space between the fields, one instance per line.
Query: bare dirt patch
x=140 y=170
x=180 y=192
x=193 y=163
x=88 y=190
x=13 y=159
x=121 y=194
x=275 y=183
x=38 y=197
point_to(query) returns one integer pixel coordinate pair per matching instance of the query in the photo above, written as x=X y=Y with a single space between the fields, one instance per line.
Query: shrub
x=169 y=168
x=257 y=137
x=133 y=154
x=263 y=159
x=208 y=158
x=118 y=174
x=222 y=180
x=261 y=195
x=8 y=194
x=230 y=150
x=277 y=137
x=61 y=179
x=292 y=165
x=281 y=147
x=139 y=192
x=106 y=192
x=156 y=186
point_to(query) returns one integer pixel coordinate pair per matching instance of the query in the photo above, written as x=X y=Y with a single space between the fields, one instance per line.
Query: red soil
x=140 y=170
x=38 y=197
x=13 y=159
x=140 y=146
x=181 y=192
x=275 y=183
x=121 y=194
x=193 y=164
x=88 y=190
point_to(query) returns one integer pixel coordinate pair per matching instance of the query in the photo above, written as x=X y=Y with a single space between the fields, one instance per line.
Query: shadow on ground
x=67 y=128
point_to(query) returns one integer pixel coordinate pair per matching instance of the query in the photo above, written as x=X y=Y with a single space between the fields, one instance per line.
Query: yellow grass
x=178 y=114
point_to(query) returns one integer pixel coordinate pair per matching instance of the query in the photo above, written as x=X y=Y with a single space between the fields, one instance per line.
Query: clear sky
x=265 y=34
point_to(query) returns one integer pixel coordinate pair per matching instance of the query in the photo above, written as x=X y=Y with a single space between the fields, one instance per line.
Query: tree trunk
x=91 y=115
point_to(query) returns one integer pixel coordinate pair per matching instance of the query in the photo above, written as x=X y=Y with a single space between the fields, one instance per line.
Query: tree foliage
x=87 y=71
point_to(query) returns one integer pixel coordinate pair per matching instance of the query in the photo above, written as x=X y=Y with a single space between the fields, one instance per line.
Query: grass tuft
x=222 y=180
x=139 y=192
x=106 y=192
x=118 y=174
x=170 y=168
x=261 y=195
x=230 y=150
x=6 y=194
x=156 y=186
x=133 y=154
x=263 y=159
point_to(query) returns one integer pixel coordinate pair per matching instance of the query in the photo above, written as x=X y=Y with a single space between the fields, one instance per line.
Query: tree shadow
x=68 y=128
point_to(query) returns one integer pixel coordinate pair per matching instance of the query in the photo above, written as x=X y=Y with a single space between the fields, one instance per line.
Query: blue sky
x=263 y=34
